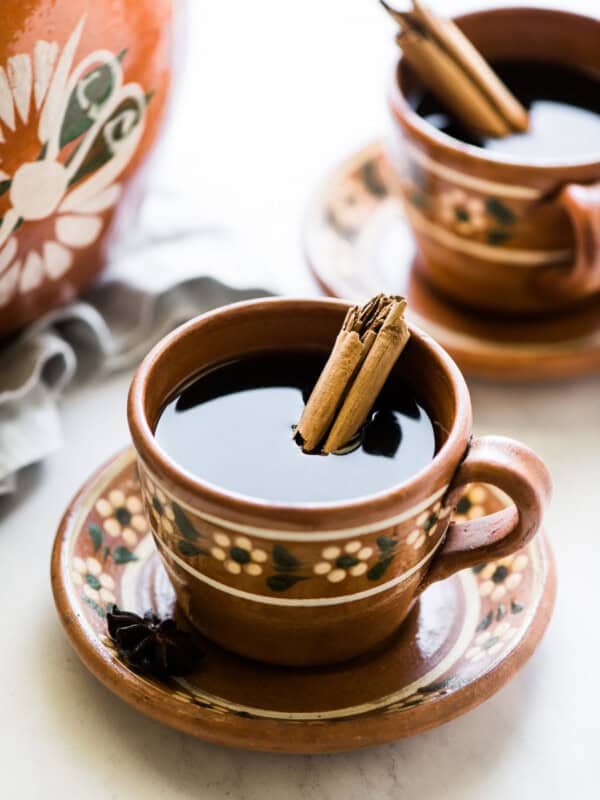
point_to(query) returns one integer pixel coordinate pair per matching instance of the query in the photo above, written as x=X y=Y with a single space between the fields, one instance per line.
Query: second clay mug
x=497 y=233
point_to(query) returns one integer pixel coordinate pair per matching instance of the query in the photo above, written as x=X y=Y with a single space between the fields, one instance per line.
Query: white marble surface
x=275 y=93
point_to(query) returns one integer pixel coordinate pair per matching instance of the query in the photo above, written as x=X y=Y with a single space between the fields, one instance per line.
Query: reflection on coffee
x=233 y=427
x=564 y=113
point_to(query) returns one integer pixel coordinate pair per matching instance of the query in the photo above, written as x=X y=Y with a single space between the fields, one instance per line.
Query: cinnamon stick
x=366 y=348
x=451 y=67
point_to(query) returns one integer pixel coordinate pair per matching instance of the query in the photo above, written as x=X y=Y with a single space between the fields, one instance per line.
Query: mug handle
x=523 y=476
x=582 y=204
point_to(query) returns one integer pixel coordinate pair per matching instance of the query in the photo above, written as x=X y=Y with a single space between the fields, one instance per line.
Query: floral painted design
x=465 y=213
x=338 y=563
x=491 y=641
x=472 y=504
x=96 y=584
x=279 y=566
x=358 y=196
x=122 y=516
x=499 y=578
x=78 y=125
x=427 y=525
x=238 y=554
x=471 y=215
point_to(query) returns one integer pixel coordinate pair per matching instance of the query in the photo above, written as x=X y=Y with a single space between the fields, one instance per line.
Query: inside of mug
x=301 y=325
x=523 y=34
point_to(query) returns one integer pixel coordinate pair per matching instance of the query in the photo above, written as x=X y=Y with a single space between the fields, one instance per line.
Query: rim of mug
x=420 y=127
x=375 y=505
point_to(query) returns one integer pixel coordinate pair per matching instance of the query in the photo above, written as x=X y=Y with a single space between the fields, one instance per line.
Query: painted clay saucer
x=358 y=242
x=465 y=638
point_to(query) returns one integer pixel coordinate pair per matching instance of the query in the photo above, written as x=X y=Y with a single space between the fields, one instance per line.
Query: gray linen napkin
x=168 y=270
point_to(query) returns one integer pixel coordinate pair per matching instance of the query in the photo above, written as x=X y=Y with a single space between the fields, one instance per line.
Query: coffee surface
x=233 y=427
x=563 y=106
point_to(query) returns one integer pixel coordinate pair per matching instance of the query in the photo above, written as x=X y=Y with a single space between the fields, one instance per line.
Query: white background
x=274 y=94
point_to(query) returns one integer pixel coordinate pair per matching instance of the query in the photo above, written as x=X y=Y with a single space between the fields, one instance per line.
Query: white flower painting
x=88 y=123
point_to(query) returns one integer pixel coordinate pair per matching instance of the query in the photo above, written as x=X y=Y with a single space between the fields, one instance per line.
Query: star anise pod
x=152 y=646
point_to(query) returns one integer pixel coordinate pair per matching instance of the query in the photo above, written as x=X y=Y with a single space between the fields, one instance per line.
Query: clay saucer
x=465 y=638
x=358 y=242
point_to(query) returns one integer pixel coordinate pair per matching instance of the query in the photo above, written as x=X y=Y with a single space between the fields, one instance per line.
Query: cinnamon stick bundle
x=366 y=349
x=450 y=66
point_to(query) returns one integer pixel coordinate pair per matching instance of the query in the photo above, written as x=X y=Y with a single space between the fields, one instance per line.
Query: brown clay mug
x=495 y=233
x=311 y=584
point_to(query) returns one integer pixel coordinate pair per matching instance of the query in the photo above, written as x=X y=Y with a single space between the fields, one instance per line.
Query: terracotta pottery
x=280 y=583
x=358 y=242
x=463 y=640
x=497 y=233
x=82 y=93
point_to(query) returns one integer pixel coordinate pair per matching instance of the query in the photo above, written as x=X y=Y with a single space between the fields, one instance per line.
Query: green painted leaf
x=283 y=559
x=463 y=505
x=377 y=570
x=105 y=552
x=121 y=123
x=122 y=555
x=239 y=555
x=346 y=561
x=279 y=583
x=496 y=237
x=386 y=543
x=157 y=506
x=516 y=608
x=372 y=179
x=93 y=89
x=503 y=214
x=92 y=604
x=500 y=574
x=491 y=642
x=95 y=533
x=5 y=186
x=93 y=581
x=500 y=612
x=478 y=568
x=123 y=515
x=189 y=549
x=183 y=523
x=419 y=200
x=485 y=622
x=461 y=214
x=434 y=687
x=430 y=522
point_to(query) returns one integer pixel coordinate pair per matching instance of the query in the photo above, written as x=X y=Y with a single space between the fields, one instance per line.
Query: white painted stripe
x=299 y=601
x=516 y=257
x=20 y=79
x=44 y=56
x=7 y=111
x=307 y=535
x=470 y=181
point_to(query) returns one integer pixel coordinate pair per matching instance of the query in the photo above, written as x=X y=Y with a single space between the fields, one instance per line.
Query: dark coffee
x=233 y=427
x=563 y=106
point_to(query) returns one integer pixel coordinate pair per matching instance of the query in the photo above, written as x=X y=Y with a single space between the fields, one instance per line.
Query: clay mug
x=496 y=233
x=82 y=93
x=320 y=583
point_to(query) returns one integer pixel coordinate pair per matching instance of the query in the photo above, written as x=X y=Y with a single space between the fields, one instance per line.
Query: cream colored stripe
x=464 y=179
x=299 y=601
x=519 y=258
x=303 y=536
